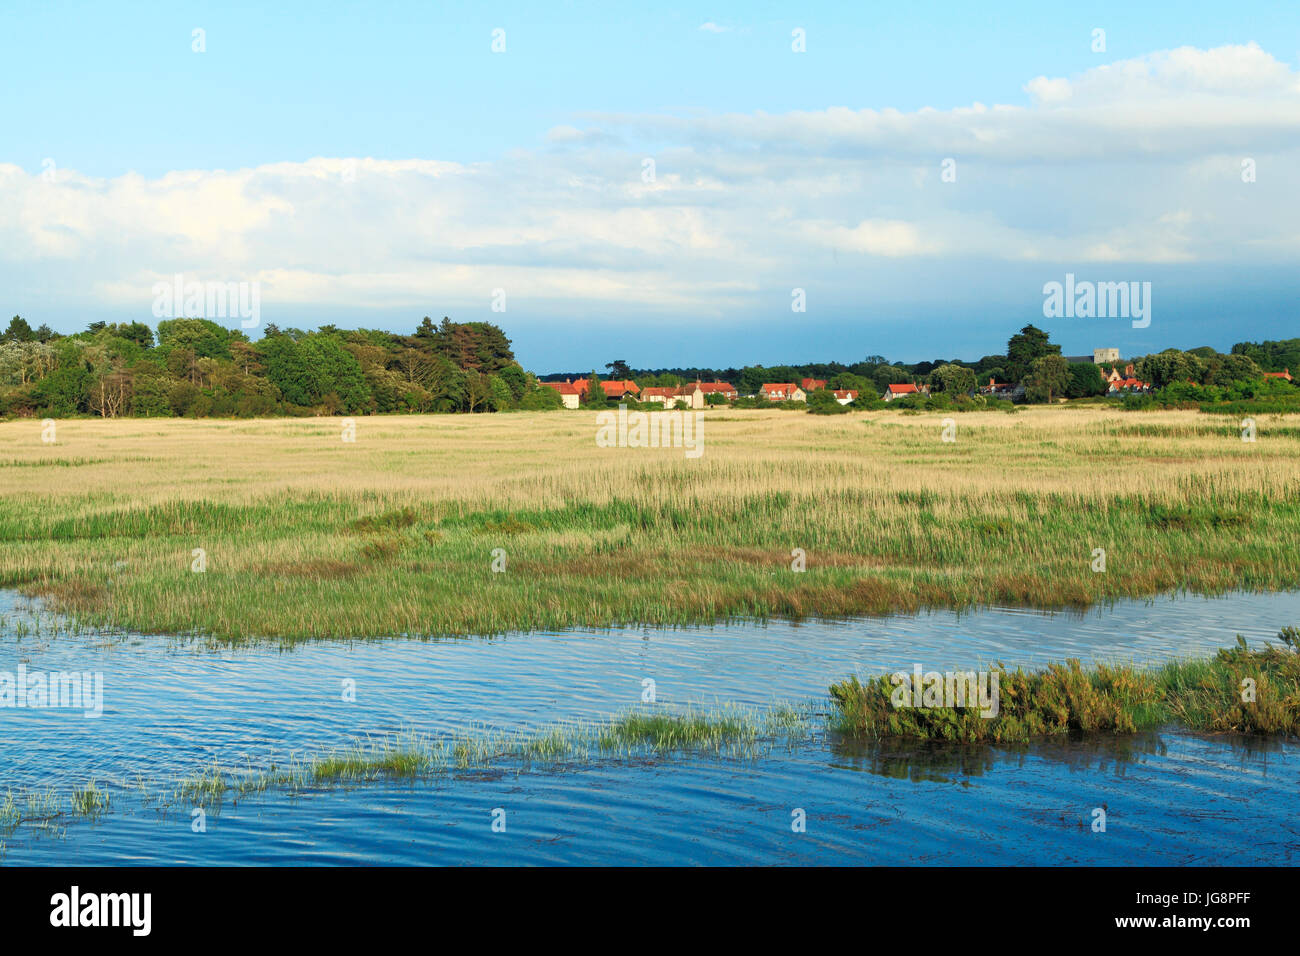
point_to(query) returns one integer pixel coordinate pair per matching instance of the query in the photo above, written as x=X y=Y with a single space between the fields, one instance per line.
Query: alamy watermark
x=208 y=300
x=675 y=429
x=951 y=689
x=72 y=690
x=1098 y=300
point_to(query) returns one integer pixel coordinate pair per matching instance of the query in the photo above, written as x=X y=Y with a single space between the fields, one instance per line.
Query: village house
x=1114 y=376
x=812 y=384
x=1129 y=384
x=665 y=395
x=569 y=393
x=898 y=391
x=995 y=389
x=695 y=395
x=845 y=395
x=1285 y=373
x=783 y=392
x=614 y=388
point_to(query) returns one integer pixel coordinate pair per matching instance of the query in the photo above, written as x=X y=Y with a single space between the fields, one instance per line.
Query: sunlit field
x=304 y=534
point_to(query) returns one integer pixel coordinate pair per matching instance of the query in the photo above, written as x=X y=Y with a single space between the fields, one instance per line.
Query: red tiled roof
x=564 y=388
x=708 y=388
x=615 y=387
x=902 y=389
x=848 y=393
x=812 y=384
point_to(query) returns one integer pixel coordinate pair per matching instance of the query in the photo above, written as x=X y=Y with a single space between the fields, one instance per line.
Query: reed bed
x=306 y=535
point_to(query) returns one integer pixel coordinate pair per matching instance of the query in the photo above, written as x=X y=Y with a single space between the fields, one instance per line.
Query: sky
x=668 y=184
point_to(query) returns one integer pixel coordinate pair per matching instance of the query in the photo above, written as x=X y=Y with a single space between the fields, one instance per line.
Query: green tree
x=887 y=375
x=1085 y=381
x=149 y=396
x=62 y=391
x=953 y=380
x=502 y=398
x=1023 y=348
x=595 y=396
x=540 y=398
x=18 y=331
x=333 y=370
x=823 y=402
x=516 y=380
x=287 y=367
x=478 y=391
x=204 y=337
x=1049 y=377
x=1171 y=365
x=1227 y=369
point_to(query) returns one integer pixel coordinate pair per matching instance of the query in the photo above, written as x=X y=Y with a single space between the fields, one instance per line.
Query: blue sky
x=368 y=164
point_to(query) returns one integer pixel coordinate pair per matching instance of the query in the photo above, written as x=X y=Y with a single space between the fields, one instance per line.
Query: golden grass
x=307 y=535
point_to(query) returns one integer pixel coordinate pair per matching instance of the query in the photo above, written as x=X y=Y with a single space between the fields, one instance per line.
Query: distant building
x=783 y=392
x=812 y=384
x=665 y=395
x=569 y=393
x=1101 y=356
x=898 y=391
x=614 y=388
x=1128 y=385
x=845 y=395
x=1114 y=376
x=725 y=389
x=694 y=395
x=997 y=389
x=1285 y=373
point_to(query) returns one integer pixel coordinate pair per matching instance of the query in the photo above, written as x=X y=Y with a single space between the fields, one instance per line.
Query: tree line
x=1032 y=364
x=197 y=368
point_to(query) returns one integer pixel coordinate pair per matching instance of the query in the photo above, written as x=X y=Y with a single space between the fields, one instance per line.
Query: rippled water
x=171 y=707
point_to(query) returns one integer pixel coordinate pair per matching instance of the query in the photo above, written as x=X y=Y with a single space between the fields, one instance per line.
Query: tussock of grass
x=89 y=801
x=388 y=521
x=1200 y=695
x=1207 y=695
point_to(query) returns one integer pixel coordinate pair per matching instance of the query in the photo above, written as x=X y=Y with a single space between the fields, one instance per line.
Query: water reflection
x=173 y=706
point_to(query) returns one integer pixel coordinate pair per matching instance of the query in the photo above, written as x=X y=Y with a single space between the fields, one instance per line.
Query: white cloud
x=877 y=237
x=1135 y=162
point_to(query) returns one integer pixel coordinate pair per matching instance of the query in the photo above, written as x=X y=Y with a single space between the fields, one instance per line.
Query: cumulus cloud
x=1135 y=162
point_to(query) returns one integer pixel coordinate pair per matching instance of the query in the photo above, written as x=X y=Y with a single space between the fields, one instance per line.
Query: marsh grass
x=89 y=801
x=728 y=731
x=42 y=809
x=1198 y=695
x=309 y=537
